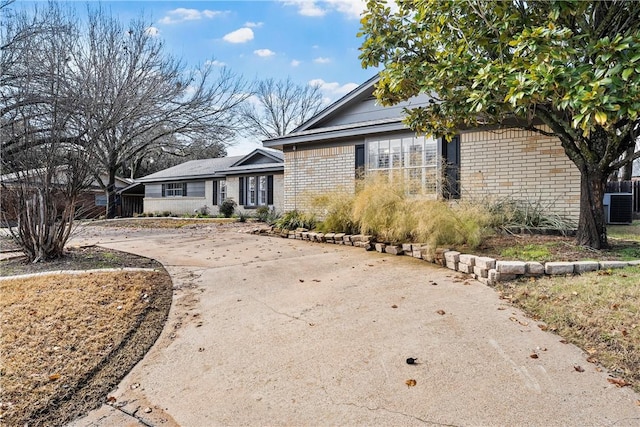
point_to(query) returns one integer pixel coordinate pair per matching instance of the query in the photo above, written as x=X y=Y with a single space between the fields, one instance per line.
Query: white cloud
x=264 y=53
x=182 y=15
x=333 y=90
x=152 y=31
x=351 y=8
x=253 y=24
x=242 y=35
x=295 y=63
x=215 y=63
x=321 y=60
x=306 y=7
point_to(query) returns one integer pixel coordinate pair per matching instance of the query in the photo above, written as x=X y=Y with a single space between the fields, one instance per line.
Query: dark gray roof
x=220 y=167
x=339 y=131
x=192 y=169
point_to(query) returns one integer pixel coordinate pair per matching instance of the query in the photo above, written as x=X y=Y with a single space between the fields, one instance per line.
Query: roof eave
x=292 y=139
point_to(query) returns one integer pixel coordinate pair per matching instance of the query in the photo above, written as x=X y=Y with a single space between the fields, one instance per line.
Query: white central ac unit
x=618 y=208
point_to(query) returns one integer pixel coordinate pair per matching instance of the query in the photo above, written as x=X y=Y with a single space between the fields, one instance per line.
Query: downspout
x=295 y=181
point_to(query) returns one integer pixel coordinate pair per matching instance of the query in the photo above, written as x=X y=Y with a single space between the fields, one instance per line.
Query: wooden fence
x=626 y=187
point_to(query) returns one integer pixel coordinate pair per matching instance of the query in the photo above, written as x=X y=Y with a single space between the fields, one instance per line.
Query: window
x=256 y=190
x=411 y=158
x=222 y=185
x=174 y=189
x=101 y=200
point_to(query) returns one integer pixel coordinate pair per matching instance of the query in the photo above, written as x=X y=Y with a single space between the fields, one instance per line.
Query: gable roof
x=357 y=114
x=259 y=160
x=192 y=169
x=365 y=90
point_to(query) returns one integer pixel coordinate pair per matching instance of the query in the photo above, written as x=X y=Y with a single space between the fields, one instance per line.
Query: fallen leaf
x=111 y=399
x=410 y=383
x=619 y=382
x=54 y=377
x=592 y=350
x=467 y=283
x=301 y=281
x=578 y=368
x=624 y=332
x=502 y=308
x=592 y=359
x=394 y=306
x=543 y=327
x=315 y=280
x=434 y=284
x=563 y=341
x=441 y=312
x=534 y=355
x=523 y=323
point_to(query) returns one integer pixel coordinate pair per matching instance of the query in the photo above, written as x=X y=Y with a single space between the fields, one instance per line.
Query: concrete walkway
x=267 y=331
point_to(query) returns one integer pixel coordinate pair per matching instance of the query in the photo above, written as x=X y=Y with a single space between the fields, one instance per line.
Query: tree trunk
x=592 y=225
x=111 y=195
x=627 y=170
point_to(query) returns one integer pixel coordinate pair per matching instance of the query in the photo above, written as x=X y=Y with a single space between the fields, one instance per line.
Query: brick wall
x=311 y=172
x=520 y=165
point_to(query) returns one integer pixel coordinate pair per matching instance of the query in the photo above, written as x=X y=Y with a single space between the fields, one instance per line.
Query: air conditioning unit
x=618 y=208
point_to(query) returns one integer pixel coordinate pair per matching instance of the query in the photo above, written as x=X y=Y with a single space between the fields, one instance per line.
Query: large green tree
x=565 y=68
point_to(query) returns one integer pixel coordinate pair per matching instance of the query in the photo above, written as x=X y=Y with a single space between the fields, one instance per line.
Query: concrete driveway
x=267 y=331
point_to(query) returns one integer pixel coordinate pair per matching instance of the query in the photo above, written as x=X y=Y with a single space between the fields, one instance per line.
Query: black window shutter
x=451 y=154
x=164 y=187
x=215 y=193
x=241 y=195
x=360 y=161
x=184 y=189
x=270 y=189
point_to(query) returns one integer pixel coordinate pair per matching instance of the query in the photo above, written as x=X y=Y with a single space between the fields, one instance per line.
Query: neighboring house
x=330 y=151
x=251 y=181
x=92 y=202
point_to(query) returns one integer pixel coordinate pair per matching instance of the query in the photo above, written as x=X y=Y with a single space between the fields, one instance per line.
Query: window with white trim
x=174 y=189
x=412 y=158
x=222 y=190
x=256 y=190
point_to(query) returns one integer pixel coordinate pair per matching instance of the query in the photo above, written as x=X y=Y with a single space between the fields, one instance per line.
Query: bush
x=337 y=213
x=295 y=219
x=384 y=210
x=269 y=216
x=227 y=207
x=527 y=214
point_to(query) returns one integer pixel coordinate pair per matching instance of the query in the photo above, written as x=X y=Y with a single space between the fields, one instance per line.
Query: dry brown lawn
x=599 y=312
x=68 y=339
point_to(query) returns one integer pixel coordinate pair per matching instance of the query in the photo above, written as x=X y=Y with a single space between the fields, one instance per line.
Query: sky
x=308 y=41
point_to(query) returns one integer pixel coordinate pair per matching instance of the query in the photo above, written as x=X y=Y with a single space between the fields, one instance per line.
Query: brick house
x=91 y=202
x=355 y=134
x=252 y=181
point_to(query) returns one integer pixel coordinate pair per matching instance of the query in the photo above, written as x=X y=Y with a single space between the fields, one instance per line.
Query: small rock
x=147 y=410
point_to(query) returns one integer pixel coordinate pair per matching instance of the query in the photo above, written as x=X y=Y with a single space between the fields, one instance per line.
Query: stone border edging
x=77 y=272
x=484 y=269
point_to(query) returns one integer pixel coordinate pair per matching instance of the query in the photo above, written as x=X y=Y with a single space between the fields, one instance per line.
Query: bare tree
x=278 y=107
x=136 y=95
x=43 y=173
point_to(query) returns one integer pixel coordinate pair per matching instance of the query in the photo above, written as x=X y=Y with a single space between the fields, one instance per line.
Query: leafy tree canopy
x=564 y=68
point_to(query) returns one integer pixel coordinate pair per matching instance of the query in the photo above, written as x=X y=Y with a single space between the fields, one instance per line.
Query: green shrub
x=295 y=219
x=269 y=216
x=527 y=214
x=227 y=207
x=336 y=209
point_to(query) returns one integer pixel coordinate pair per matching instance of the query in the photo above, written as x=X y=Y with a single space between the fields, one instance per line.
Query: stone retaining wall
x=484 y=269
